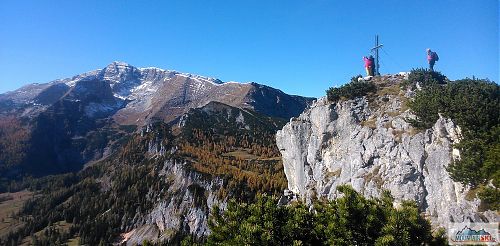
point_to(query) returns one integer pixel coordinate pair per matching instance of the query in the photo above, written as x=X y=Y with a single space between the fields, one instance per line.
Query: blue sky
x=301 y=47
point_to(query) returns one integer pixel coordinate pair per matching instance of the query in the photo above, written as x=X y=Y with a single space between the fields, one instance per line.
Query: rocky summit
x=367 y=142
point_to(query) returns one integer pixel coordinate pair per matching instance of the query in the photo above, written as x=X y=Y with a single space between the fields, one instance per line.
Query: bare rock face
x=186 y=209
x=368 y=144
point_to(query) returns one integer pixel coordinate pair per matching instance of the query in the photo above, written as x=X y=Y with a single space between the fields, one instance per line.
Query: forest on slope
x=106 y=199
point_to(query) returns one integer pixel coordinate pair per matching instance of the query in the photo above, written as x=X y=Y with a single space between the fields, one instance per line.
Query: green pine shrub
x=349 y=220
x=424 y=78
x=350 y=90
x=474 y=104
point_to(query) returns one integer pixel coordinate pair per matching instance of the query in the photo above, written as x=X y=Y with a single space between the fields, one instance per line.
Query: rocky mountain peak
x=76 y=120
x=152 y=94
x=120 y=72
x=119 y=64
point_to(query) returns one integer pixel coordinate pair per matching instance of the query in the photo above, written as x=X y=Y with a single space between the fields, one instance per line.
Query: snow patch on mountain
x=99 y=109
x=71 y=82
x=202 y=79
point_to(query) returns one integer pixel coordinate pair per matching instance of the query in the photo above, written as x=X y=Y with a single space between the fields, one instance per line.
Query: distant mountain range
x=139 y=95
x=66 y=123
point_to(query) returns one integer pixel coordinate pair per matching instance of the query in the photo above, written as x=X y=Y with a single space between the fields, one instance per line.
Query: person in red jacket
x=432 y=58
x=368 y=65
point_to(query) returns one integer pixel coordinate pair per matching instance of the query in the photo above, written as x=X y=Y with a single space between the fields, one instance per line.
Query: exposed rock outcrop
x=185 y=210
x=367 y=143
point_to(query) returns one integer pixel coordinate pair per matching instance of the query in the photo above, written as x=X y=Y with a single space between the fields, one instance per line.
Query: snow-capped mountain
x=73 y=121
x=154 y=94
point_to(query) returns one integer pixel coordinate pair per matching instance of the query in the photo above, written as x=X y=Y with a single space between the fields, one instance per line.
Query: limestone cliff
x=367 y=143
x=185 y=210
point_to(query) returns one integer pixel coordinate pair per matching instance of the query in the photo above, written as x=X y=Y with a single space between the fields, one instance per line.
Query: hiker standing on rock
x=368 y=65
x=432 y=58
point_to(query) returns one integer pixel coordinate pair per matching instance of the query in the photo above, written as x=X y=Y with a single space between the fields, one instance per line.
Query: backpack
x=436 y=57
